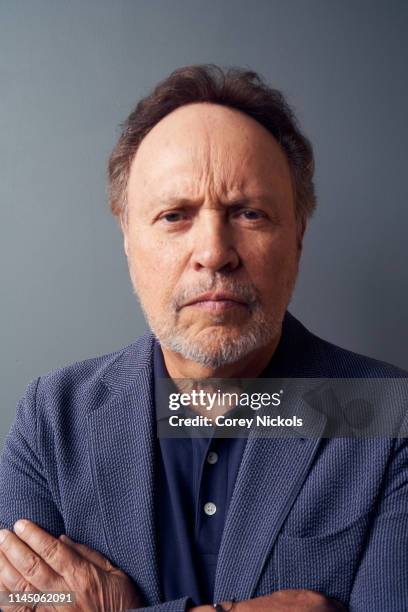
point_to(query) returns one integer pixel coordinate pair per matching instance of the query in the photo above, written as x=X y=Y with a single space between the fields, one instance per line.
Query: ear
x=302 y=223
x=124 y=228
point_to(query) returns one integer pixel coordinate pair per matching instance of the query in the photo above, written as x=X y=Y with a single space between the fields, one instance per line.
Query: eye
x=173 y=216
x=250 y=214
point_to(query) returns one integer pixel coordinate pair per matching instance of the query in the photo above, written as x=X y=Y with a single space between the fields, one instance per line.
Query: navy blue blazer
x=329 y=515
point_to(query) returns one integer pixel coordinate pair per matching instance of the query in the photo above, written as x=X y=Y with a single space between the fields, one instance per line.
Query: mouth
x=216 y=302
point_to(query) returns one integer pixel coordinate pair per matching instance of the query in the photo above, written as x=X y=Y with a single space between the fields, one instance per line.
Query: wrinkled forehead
x=203 y=146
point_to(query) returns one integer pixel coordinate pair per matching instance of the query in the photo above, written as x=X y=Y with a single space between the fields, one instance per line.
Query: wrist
x=222 y=606
x=225 y=606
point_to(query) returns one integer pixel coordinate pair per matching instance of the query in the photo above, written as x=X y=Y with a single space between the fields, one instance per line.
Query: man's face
x=211 y=236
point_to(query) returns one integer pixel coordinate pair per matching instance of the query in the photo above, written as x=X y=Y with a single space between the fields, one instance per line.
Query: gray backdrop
x=70 y=71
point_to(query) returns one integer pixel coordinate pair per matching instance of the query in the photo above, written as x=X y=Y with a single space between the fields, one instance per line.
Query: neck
x=248 y=367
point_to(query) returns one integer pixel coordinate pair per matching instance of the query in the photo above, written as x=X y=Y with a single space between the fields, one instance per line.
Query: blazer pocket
x=324 y=563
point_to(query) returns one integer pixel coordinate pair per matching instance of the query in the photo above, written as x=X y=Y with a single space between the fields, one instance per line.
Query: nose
x=213 y=243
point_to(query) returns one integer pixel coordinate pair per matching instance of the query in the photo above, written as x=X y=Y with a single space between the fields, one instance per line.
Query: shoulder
x=92 y=379
x=345 y=363
x=317 y=357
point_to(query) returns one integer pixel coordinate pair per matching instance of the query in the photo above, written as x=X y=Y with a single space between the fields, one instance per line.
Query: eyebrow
x=242 y=200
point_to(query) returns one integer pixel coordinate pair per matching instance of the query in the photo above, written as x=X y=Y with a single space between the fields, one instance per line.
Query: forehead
x=208 y=144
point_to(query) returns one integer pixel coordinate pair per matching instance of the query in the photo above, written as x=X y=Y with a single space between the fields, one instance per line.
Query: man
x=211 y=181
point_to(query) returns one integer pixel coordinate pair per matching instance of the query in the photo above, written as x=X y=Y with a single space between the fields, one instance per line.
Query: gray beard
x=228 y=348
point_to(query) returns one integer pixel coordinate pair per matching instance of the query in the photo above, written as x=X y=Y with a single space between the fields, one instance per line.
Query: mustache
x=242 y=291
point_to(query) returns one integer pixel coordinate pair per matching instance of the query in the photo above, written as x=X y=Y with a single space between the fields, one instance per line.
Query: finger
x=13 y=607
x=4 y=594
x=30 y=566
x=12 y=579
x=58 y=556
x=89 y=554
x=6 y=590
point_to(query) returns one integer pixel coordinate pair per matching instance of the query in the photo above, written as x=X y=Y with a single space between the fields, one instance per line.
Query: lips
x=216 y=303
x=211 y=297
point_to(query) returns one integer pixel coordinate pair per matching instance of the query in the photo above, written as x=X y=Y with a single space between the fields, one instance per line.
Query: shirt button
x=212 y=457
x=210 y=508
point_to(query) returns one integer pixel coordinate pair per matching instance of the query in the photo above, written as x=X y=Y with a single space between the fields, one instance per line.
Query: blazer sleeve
x=24 y=491
x=381 y=581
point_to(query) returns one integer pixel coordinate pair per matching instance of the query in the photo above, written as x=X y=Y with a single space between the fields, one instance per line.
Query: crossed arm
x=31 y=560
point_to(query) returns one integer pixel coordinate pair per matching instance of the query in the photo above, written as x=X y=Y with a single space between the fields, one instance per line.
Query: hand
x=300 y=600
x=35 y=561
x=289 y=600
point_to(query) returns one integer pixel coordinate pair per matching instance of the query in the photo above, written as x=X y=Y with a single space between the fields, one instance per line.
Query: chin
x=216 y=346
x=214 y=336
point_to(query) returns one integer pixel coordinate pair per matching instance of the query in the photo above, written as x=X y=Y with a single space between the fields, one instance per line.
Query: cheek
x=154 y=270
x=271 y=263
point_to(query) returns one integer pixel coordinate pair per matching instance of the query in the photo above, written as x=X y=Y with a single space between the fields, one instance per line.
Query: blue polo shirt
x=196 y=480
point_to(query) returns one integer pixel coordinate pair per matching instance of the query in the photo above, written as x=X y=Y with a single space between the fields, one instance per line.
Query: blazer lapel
x=270 y=476
x=122 y=450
